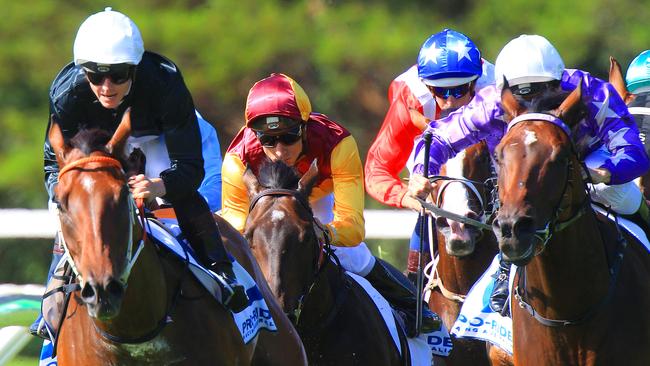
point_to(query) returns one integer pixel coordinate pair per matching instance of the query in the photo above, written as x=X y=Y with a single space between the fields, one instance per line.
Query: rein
x=136 y=212
x=325 y=252
x=552 y=227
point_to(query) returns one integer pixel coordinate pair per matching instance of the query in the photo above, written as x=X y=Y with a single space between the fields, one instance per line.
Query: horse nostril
x=524 y=225
x=88 y=293
x=504 y=229
x=115 y=288
x=441 y=222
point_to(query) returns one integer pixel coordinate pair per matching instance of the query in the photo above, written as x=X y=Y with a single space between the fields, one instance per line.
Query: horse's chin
x=518 y=252
x=103 y=311
x=460 y=244
x=460 y=248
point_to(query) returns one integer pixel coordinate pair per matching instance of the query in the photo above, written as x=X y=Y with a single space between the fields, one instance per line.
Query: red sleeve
x=392 y=146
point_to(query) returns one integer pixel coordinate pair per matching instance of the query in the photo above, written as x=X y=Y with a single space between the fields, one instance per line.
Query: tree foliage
x=344 y=53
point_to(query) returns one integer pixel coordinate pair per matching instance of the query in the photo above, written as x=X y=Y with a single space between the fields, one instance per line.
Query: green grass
x=29 y=356
x=23 y=361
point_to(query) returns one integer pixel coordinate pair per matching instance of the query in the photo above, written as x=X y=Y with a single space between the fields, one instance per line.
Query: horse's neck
x=321 y=300
x=458 y=275
x=572 y=274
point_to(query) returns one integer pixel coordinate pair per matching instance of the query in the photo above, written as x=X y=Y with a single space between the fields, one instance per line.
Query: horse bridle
x=325 y=252
x=553 y=226
x=487 y=207
x=136 y=212
x=131 y=257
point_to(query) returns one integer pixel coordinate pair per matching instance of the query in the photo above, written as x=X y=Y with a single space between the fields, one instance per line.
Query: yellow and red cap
x=275 y=97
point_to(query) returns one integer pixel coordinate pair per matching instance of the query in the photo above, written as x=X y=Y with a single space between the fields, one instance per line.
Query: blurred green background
x=344 y=54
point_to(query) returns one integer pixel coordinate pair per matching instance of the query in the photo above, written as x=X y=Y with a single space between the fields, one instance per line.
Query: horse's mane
x=547 y=101
x=89 y=140
x=278 y=175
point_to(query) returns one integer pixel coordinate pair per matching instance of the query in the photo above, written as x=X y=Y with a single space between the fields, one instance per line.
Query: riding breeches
x=357 y=259
x=624 y=199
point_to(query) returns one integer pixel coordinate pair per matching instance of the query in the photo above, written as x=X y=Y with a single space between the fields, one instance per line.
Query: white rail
x=25 y=223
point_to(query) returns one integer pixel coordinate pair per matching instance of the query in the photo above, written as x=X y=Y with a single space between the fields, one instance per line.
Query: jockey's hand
x=322 y=232
x=600 y=175
x=419 y=186
x=146 y=188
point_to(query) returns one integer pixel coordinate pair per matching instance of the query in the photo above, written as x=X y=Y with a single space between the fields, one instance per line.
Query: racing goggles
x=288 y=138
x=454 y=91
x=117 y=74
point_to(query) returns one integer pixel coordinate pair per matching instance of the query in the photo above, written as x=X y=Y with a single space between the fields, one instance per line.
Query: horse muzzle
x=516 y=238
x=103 y=300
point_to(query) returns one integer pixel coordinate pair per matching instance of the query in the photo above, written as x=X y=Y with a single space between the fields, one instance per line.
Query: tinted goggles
x=289 y=138
x=455 y=91
x=116 y=75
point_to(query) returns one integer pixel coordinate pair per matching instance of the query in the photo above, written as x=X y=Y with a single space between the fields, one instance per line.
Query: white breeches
x=357 y=259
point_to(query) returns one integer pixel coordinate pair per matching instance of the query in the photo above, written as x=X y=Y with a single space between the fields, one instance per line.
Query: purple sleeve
x=610 y=122
x=478 y=120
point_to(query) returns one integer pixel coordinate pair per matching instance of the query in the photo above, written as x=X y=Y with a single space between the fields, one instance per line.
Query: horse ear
x=308 y=180
x=617 y=80
x=57 y=142
x=117 y=142
x=252 y=184
x=508 y=101
x=571 y=109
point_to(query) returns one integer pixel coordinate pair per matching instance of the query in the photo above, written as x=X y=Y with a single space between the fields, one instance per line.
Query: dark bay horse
x=138 y=305
x=582 y=288
x=335 y=318
x=617 y=80
x=464 y=187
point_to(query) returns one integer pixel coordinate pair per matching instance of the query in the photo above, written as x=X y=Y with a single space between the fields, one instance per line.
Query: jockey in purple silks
x=607 y=139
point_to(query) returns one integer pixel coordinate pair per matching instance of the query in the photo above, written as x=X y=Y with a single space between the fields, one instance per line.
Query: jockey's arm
x=183 y=139
x=234 y=196
x=210 y=187
x=388 y=155
x=348 y=227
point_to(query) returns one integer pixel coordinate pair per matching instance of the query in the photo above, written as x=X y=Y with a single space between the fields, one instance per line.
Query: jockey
x=448 y=73
x=607 y=137
x=637 y=79
x=112 y=72
x=281 y=126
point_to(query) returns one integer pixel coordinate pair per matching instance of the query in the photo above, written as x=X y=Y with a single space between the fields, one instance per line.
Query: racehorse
x=336 y=319
x=138 y=305
x=617 y=80
x=464 y=187
x=581 y=292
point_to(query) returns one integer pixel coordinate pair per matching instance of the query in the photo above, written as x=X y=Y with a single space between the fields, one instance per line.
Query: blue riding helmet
x=638 y=74
x=449 y=58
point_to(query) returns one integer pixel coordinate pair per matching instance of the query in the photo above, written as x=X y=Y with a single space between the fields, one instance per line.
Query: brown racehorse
x=163 y=316
x=617 y=80
x=337 y=321
x=582 y=293
x=464 y=251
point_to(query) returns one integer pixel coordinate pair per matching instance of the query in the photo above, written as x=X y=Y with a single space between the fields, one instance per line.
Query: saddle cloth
x=249 y=321
x=421 y=348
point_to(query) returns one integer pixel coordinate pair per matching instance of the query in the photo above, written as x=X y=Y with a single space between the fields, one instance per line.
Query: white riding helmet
x=528 y=59
x=108 y=37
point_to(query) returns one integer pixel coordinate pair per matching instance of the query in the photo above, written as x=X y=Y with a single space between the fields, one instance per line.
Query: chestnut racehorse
x=582 y=287
x=137 y=304
x=464 y=252
x=336 y=319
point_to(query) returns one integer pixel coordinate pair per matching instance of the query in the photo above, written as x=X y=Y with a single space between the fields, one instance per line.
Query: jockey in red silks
x=448 y=73
x=280 y=126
